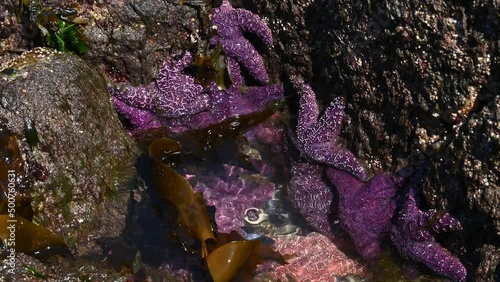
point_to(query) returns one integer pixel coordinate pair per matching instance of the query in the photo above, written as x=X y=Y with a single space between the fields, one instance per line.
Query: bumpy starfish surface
x=231 y=25
x=175 y=100
x=174 y=94
x=316 y=138
x=139 y=118
x=365 y=209
x=412 y=233
x=232 y=102
x=311 y=195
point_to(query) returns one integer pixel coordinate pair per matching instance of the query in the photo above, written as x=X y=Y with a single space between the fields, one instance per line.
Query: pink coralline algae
x=314 y=258
x=231 y=25
x=412 y=233
x=233 y=189
x=232 y=192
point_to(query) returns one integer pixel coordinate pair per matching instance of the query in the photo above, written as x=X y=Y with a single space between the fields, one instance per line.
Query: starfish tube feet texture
x=412 y=233
x=365 y=209
x=179 y=94
x=139 y=118
x=316 y=138
x=311 y=195
x=231 y=25
x=174 y=94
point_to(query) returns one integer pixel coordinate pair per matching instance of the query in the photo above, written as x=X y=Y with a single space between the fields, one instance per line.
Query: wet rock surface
x=420 y=80
x=71 y=139
x=128 y=39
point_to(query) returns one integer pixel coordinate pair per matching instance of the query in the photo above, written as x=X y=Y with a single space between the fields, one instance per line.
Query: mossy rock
x=82 y=157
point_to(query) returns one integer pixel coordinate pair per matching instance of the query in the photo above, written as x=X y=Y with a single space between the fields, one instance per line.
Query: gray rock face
x=60 y=109
x=421 y=86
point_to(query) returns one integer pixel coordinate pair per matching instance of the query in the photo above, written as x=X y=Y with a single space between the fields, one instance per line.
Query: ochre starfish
x=316 y=138
x=148 y=107
x=174 y=94
x=412 y=233
x=231 y=25
x=365 y=209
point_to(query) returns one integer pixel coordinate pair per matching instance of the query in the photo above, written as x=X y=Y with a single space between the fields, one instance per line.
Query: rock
x=420 y=84
x=142 y=33
x=69 y=134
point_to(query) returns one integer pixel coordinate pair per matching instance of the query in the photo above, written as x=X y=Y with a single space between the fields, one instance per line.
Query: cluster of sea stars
x=174 y=100
x=365 y=208
x=322 y=172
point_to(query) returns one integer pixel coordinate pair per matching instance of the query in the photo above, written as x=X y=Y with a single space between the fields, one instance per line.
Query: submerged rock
x=70 y=136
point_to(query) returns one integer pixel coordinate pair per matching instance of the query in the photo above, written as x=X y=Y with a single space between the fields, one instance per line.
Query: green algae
x=58 y=27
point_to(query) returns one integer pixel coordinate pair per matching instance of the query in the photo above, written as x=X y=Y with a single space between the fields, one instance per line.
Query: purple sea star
x=365 y=209
x=316 y=139
x=147 y=107
x=232 y=102
x=412 y=233
x=139 y=118
x=174 y=94
x=231 y=25
x=311 y=195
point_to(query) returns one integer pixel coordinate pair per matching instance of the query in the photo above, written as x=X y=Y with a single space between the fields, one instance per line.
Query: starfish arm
x=137 y=97
x=235 y=72
x=178 y=94
x=438 y=260
x=337 y=157
x=346 y=184
x=439 y=222
x=250 y=22
x=411 y=234
x=173 y=68
x=332 y=119
x=260 y=96
x=311 y=195
x=140 y=119
x=245 y=54
x=308 y=110
x=346 y=160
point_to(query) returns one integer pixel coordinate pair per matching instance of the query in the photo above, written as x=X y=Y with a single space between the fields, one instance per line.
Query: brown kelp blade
x=226 y=262
x=193 y=213
x=259 y=253
x=162 y=147
x=28 y=237
x=172 y=186
x=196 y=221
